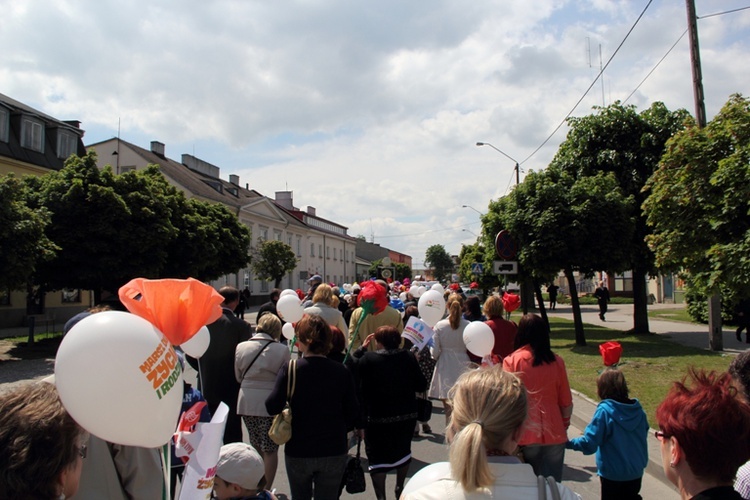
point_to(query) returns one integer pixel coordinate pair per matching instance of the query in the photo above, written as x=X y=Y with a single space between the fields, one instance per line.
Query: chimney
x=311 y=211
x=234 y=179
x=157 y=148
x=284 y=199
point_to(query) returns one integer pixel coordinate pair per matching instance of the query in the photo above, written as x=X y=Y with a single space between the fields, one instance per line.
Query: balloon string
x=355 y=334
x=167 y=456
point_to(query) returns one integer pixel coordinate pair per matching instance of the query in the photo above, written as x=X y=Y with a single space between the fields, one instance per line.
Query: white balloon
x=119 y=378
x=290 y=308
x=347 y=287
x=197 y=344
x=427 y=475
x=422 y=289
x=288 y=291
x=287 y=331
x=479 y=338
x=431 y=307
x=438 y=288
x=402 y=296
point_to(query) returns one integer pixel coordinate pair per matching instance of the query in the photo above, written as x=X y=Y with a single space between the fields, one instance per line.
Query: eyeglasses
x=82 y=451
x=660 y=435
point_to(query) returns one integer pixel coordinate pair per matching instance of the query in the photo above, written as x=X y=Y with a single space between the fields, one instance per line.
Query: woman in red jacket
x=550 y=400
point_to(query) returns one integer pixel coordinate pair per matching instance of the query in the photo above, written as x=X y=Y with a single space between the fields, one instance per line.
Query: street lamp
x=469 y=206
x=518 y=169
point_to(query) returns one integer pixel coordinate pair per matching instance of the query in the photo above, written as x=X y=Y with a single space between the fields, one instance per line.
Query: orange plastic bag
x=178 y=308
x=611 y=352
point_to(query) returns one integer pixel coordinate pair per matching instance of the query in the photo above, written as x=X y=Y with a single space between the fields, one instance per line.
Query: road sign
x=477 y=268
x=505 y=246
x=505 y=267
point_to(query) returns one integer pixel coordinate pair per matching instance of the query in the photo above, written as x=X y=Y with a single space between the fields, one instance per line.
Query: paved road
x=580 y=470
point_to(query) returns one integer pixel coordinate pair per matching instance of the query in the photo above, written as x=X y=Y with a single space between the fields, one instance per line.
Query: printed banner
x=417 y=331
x=202 y=446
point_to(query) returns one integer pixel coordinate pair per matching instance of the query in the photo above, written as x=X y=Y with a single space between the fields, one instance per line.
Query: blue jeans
x=318 y=477
x=546 y=460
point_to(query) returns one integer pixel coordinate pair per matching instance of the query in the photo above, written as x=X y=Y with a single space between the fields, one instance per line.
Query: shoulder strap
x=291 y=379
x=256 y=357
x=553 y=488
x=542 y=487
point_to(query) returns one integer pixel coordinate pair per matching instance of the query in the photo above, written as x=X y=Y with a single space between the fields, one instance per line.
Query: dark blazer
x=217 y=380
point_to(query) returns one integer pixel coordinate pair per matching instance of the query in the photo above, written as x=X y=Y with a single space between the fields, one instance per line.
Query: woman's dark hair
x=473 y=307
x=338 y=342
x=534 y=332
x=314 y=332
x=739 y=369
x=611 y=385
x=388 y=336
x=409 y=312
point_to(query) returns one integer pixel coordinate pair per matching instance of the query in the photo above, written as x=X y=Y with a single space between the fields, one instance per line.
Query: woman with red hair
x=704 y=430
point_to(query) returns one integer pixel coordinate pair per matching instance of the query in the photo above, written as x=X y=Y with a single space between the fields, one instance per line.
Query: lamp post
x=469 y=206
x=524 y=287
x=518 y=169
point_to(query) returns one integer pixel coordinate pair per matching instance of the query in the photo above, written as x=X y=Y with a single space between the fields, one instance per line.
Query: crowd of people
x=356 y=378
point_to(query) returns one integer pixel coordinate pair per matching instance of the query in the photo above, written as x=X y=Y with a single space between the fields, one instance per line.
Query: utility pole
x=715 y=339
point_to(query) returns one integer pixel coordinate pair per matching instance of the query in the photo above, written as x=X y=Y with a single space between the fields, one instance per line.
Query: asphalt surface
x=580 y=471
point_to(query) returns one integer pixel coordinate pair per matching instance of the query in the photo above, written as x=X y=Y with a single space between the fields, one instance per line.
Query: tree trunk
x=640 y=301
x=277 y=282
x=577 y=320
x=540 y=301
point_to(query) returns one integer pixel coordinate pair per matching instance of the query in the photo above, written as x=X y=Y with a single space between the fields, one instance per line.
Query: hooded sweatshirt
x=617 y=434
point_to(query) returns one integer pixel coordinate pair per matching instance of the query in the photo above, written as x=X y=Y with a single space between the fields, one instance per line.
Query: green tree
x=440 y=262
x=476 y=253
x=629 y=144
x=402 y=271
x=698 y=203
x=112 y=228
x=23 y=243
x=272 y=260
x=561 y=222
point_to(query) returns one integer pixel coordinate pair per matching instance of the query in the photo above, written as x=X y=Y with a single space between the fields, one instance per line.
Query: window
x=341 y=255
x=264 y=286
x=127 y=168
x=289 y=240
x=334 y=254
x=277 y=235
x=320 y=251
x=4 y=124
x=32 y=135
x=66 y=144
x=299 y=246
x=263 y=233
x=328 y=253
x=312 y=249
x=71 y=295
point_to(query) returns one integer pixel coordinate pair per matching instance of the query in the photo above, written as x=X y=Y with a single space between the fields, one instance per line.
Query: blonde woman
x=323 y=306
x=450 y=353
x=489 y=410
x=256 y=364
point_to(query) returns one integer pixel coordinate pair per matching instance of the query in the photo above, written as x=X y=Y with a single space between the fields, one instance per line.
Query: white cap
x=241 y=464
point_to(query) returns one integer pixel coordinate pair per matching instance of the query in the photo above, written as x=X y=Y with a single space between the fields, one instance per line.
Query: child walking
x=617 y=433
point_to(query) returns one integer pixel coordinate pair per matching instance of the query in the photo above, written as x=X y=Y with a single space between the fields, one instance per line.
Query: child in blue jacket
x=617 y=433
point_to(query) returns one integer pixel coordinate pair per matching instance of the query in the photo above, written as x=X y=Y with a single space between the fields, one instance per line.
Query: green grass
x=37 y=336
x=650 y=363
x=676 y=314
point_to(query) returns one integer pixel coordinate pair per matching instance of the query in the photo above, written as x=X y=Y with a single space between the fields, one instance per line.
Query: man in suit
x=217 y=381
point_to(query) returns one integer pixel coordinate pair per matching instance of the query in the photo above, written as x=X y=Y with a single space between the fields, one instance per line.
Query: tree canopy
x=23 y=242
x=563 y=222
x=272 y=260
x=440 y=261
x=698 y=202
x=628 y=144
x=111 y=228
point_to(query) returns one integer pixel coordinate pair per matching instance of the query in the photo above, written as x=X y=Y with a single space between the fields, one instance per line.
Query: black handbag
x=424 y=409
x=354 y=474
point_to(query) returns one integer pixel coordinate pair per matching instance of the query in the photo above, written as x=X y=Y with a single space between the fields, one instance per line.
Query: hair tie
x=478 y=422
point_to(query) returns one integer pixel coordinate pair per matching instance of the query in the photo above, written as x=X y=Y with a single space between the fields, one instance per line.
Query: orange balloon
x=178 y=308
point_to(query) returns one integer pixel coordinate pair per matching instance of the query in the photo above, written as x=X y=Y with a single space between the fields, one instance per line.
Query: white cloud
x=367 y=111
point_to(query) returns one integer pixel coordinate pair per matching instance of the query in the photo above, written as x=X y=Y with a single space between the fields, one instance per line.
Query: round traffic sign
x=386 y=273
x=505 y=246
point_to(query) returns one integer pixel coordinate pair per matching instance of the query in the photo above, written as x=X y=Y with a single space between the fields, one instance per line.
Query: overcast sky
x=367 y=111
